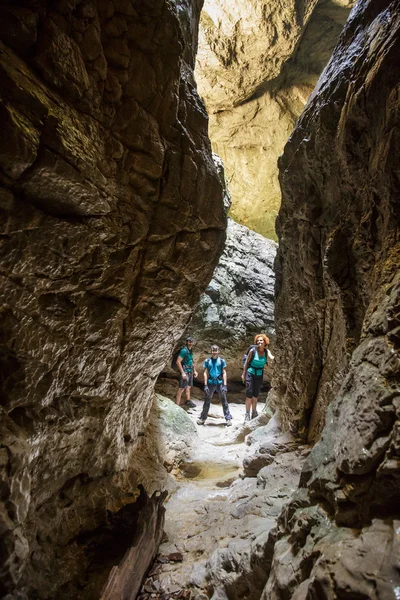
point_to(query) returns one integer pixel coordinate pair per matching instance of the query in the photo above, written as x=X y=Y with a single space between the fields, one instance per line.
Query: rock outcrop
x=256 y=67
x=112 y=223
x=239 y=300
x=337 y=321
x=237 y=304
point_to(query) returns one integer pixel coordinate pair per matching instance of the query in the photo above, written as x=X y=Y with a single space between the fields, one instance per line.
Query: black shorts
x=253 y=385
x=188 y=382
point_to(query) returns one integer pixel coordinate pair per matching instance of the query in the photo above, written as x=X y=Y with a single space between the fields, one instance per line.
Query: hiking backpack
x=175 y=355
x=245 y=355
x=252 y=349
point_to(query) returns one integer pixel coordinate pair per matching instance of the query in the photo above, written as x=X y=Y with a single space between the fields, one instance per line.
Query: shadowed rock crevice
x=112 y=223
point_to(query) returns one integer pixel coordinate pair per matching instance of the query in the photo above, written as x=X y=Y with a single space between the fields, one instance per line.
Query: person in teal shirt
x=184 y=362
x=253 y=372
x=215 y=379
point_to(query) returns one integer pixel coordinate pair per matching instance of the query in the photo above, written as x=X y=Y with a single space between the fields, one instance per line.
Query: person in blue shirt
x=187 y=370
x=215 y=379
x=253 y=372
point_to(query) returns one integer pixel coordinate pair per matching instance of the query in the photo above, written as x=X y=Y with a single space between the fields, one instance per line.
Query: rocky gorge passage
x=237 y=304
x=108 y=190
x=113 y=219
x=220 y=519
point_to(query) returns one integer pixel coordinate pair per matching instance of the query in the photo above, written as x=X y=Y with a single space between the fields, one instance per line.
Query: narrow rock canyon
x=115 y=242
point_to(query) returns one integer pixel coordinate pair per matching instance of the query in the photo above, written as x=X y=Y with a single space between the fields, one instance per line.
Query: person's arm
x=270 y=355
x=180 y=367
x=205 y=377
x=246 y=364
x=224 y=376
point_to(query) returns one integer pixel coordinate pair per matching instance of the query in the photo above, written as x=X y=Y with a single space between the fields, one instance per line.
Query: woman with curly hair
x=253 y=372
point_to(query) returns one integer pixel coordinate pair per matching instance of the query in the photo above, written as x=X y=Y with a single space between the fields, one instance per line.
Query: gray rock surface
x=239 y=301
x=222 y=527
x=264 y=444
x=337 y=322
x=108 y=190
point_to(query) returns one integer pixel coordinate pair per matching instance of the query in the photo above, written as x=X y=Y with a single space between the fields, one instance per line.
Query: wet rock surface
x=108 y=191
x=256 y=67
x=337 y=321
x=220 y=527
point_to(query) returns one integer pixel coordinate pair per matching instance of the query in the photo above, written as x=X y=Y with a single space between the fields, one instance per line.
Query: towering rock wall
x=112 y=223
x=337 y=321
x=338 y=224
x=257 y=65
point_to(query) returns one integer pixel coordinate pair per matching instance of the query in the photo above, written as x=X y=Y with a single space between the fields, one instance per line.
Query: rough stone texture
x=337 y=320
x=338 y=226
x=264 y=444
x=249 y=138
x=320 y=560
x=108 y=191
x=222 y=527
x=257 y=65
x=244 y=44
x=175 y=431
x=239 y=301
x=237 y=304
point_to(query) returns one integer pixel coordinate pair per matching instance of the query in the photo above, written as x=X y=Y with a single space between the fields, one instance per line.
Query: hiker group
x=215 y=376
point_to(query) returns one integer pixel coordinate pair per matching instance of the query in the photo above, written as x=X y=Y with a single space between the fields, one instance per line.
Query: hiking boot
x=247 y=417
x=254 y=414
x=228 y=422
x=200 y=421
x=190 y=404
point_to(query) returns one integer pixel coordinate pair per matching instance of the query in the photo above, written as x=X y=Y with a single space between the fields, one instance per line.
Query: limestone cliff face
x=337 y=320
x=112 y=223
x=257 y=65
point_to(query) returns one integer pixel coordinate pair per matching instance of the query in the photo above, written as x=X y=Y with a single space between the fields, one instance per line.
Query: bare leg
x=254 y=404
x=188 y=392
x=248 y=404
x=179 y=396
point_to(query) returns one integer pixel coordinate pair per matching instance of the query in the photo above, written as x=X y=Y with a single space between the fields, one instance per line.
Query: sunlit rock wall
x=338 y=318
x=112 y=223
x=257 y=65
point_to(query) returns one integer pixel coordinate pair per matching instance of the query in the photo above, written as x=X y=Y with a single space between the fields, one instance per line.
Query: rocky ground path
x=219 y=523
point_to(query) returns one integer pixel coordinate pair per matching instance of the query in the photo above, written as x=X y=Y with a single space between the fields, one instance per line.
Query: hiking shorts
x=188 y=382
x=253 y=385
